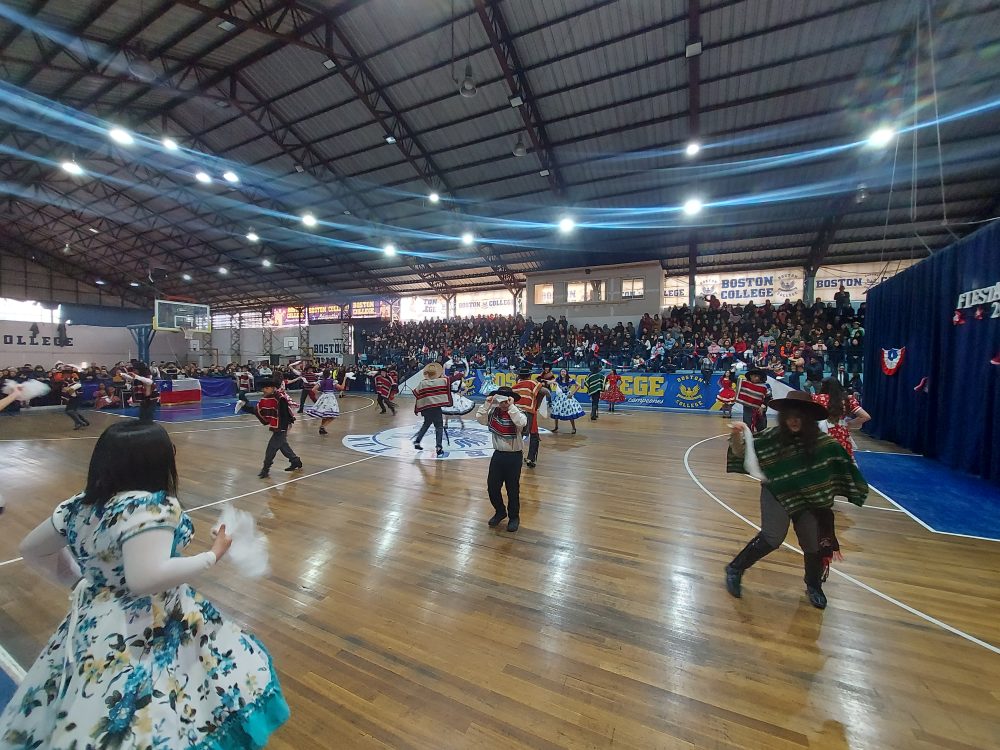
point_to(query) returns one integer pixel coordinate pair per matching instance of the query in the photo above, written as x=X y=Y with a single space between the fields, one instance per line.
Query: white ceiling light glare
x=329 y=64
x=519 y=149
x=100 y=282
x=693 y=206
x=253 y=236
x=516 y=101
x=390 y=139
x=170 y=144
x=389 y=249
x=227 y=25
x=309 y=220
x=266 y=263
x=566 y=225
x=467 y=87
x=133 y=284
x=186 y=277
x=203 y=178
x=434 y=197
x=91 y=229
x=223 y=270
x=544 y=173
x=121 y=136
x=692 y=148
x=468 y=238
x=230 y=176
x=881 y=137
x=72 y=167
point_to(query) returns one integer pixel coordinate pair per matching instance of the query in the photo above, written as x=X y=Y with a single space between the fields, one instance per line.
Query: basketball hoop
x=188 y=333
x=194 y=344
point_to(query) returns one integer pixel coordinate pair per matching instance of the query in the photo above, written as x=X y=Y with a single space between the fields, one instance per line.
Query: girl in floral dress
x=142 y=660
x=564 y=404
x=845 y=413
x=612 y=391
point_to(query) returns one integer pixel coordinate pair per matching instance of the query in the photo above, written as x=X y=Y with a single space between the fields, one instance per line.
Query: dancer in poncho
x=801 y=471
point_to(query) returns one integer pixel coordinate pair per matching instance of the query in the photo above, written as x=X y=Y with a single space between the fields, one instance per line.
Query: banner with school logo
x=666 y=391
x=775 y=285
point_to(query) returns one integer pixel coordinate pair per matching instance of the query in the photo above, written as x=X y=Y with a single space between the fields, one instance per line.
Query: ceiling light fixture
x=252 y=235
x=516 y=101
x=186 y=277
x=133 y=284
x=100 y=282
x=467 y=238
x=519 y=149
x=433 y=197
x=389 y=249
x=881 y=137
x=329 y=64
x=72 y=167
x=230 y=176
x=122 y=136
x=544 y=173
x=170 y=144
x=266 y=263
x=223 y=270
x=692 y=148
x=202 y=177
x=566 y=225
x=693 y=206
x=227 y=25
x=390 y=139
x=468 y=86
x=91 y=229
x=309 y=220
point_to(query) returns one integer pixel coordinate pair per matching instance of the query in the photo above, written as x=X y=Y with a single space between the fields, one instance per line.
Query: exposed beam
x=517 y=85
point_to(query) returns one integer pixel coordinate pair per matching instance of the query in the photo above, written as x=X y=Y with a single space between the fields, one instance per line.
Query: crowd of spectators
x=795 y=342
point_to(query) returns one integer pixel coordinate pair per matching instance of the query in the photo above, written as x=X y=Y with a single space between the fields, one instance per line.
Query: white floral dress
x=159 y=672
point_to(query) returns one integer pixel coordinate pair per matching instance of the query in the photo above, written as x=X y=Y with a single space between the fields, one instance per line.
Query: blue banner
x=687 y=391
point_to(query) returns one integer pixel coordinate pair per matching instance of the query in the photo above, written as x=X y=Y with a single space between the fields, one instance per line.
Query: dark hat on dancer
x=800 y=401
x=758 y=372
x=267 y=384
x=525 y=371
x=505 y=390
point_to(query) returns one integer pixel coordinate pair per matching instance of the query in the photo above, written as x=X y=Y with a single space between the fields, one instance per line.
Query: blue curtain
x=957 y=419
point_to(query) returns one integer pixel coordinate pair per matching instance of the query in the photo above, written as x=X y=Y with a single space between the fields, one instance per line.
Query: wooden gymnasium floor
x=397 y=619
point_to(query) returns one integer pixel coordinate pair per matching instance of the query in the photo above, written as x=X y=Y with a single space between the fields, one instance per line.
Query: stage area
x=397 y=619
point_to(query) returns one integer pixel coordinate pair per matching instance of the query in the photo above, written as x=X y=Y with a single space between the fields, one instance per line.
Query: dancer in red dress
x=727 y=394
x=612 y=392
x=845 y=413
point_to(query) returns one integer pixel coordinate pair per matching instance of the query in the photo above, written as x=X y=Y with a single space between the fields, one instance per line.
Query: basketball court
x=396 y=618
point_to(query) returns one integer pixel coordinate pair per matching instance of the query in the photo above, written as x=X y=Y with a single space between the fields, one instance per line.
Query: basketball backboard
x=173 y=316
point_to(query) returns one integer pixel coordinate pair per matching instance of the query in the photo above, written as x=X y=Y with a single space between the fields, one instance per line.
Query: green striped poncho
x=595 y=383
x=800 y=481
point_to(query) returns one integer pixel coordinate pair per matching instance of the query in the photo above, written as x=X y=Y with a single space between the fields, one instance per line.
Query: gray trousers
x=774 y=521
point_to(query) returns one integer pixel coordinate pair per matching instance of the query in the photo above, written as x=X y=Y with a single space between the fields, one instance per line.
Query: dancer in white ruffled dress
x=565 y=407
x=327 y=406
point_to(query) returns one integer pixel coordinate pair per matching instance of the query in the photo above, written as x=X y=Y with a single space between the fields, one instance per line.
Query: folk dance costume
x=461 y=404
x=244 y=385
x=386 y=386
x=144 y=392
x=727 y=396
x=530 y=396
x=275 y=411
x=565 y=407
x=142 y=660
x=755 y=395
x=310 y=384
x=327 y=406
x=594 y=384
x=801 y=473
x=489 y=386
x=505 y=464
x=71 y=398
x=432 y=394
x=613 y=392
x=837 y=429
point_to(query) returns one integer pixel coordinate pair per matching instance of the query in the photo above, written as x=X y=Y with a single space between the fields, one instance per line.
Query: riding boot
x=756 y=549
x=813 y=564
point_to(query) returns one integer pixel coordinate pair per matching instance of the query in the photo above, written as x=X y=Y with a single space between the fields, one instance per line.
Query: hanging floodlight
x=693 y=206
x=881 y=137
x=519 y=149
x=72 y=167
x=468 y=86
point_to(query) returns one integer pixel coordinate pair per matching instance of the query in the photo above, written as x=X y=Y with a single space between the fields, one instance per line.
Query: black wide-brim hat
x=525 y=372
x=800 y=401
x=757 y=371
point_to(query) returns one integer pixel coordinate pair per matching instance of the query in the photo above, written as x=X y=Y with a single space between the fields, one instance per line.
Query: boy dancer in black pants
x=505 y=422
x=275 y=411
x=595 y=384
x=71 y=397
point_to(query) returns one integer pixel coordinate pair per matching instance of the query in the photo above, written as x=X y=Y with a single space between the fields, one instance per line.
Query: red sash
x=501 y=424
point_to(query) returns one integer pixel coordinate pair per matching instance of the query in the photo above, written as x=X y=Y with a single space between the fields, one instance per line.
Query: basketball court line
x=861 y=584
x=902 y=509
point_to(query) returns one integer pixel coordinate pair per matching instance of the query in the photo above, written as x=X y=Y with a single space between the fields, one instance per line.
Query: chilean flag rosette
x=892 y=359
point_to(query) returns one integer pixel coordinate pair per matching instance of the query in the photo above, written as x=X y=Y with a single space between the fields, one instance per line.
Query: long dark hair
x=839 y=400
x=808 y=433
x=131 y=456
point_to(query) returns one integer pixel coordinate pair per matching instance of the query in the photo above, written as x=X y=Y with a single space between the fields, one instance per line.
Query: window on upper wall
x=578 y=292
x=632 y=288
x=543 y=294
x=28 y=311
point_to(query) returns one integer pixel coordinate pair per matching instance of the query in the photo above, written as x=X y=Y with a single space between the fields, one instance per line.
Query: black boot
x=814 y=579
x=756 y=549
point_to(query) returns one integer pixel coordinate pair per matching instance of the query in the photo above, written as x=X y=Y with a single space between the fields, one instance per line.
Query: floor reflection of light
x=393 y=520
x=317 y=563
x=680 y=603
x=557 y=566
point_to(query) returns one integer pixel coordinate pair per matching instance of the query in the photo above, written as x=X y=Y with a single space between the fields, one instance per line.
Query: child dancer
x=327 y=407
x=244 y=385
x=595 y=384
x=432 y=394
x=142 y=660
x=505 y=421
x=71 y=397
x=385 y=387
x=489 y=386
x=755 y=399
x=144 y=393
x=613 y=393
x=727 y=395
x=564 y=403
x=275 y=411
